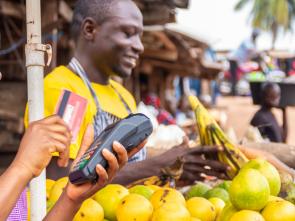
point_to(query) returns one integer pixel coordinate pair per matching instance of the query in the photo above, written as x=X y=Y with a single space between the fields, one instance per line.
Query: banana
x=211 y=134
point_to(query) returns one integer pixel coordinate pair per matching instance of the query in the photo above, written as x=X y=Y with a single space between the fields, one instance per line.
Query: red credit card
x=71 y=107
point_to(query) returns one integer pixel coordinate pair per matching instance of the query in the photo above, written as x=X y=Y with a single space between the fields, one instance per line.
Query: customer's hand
x=41 y=139
x=78 y=193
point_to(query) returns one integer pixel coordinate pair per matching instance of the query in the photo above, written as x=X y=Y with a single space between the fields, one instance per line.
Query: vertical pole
x=35 y=70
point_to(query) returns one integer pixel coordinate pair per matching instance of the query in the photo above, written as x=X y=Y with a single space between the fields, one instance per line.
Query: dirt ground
x=240 y=111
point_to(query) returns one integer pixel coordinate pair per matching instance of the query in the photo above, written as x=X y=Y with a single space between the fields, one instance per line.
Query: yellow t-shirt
x=62 y=78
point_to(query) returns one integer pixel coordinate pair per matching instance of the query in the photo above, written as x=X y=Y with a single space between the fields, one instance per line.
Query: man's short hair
x=96 y=9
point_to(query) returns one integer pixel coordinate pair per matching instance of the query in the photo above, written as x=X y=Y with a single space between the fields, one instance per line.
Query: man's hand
x=136 y=149
x=78 y=193
x=198 y=161
x=40 y=140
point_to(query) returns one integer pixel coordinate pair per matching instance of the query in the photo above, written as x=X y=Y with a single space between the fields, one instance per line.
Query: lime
x=227 y=212
x=249 y=190
x=219 y=193
x=109 y=198
x=142 y=190
x=225 y=185
x=198 y=190
x=267 y=170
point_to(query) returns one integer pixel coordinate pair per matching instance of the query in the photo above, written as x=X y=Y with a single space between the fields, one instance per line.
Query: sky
x=216 y=22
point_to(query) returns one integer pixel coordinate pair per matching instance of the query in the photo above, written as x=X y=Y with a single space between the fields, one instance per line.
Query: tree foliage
x=270 y=15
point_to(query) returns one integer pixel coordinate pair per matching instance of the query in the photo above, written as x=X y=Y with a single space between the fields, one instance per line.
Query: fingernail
x=99 y=166
x=116 y=142
x=105 y=151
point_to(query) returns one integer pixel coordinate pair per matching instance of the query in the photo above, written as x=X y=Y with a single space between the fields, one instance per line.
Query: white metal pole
x=35 y=71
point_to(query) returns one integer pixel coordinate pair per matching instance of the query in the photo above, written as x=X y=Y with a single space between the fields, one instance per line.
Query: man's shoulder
x=260 y=117
x=59 y=74
x=62 y=77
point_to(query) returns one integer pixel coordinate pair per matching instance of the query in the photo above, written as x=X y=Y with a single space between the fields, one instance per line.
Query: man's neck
x=93 y=73
x=266 y=108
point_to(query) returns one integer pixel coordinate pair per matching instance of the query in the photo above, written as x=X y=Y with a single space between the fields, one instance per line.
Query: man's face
x=118 y=40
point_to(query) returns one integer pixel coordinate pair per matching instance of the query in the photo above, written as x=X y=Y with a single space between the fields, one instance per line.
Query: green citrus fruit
x=270 y=173
x=109 y=198
x=225 y=185
x=142 y=190
x=198 y=190
x=227 y=212
x=219 y=193
x=249 y=190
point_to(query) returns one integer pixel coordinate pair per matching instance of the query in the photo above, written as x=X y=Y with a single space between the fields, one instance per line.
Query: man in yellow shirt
x=107 y=35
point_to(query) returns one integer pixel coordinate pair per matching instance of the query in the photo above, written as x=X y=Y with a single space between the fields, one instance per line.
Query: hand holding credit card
x=71 y=108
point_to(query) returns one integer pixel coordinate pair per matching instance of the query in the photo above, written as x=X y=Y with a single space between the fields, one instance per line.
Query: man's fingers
x=206 y=170
x=136 y=149
x=204 y=150
x=190 y=177
x=112 y=162
x=121 y=153
x=86 y=141
x=216 y=165
x=102 y=176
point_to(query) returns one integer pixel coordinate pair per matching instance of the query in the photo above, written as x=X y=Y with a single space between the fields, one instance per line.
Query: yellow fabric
x=62 y=78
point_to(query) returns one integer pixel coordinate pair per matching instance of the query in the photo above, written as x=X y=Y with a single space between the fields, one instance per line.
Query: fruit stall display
x=256 y=191
x=252 y=195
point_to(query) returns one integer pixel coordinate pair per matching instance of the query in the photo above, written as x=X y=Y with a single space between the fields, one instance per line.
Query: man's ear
x=89 y=28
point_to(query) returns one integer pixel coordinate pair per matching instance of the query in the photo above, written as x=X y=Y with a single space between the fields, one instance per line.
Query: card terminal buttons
x=129 y=131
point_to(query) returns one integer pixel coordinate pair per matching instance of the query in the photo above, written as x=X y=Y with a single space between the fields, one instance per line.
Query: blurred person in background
x=245 y=52
x=162 y=115
x=265 y=120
